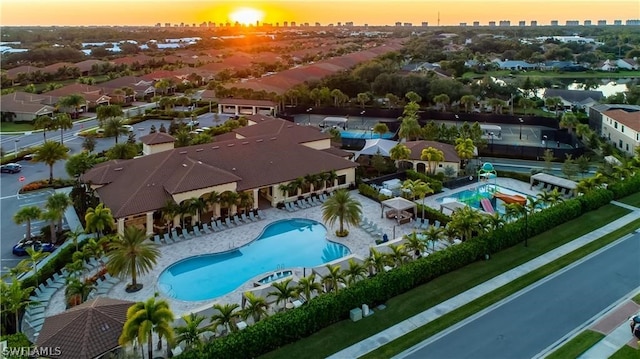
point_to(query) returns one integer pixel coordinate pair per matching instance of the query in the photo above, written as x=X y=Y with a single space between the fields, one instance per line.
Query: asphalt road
x=532 y=320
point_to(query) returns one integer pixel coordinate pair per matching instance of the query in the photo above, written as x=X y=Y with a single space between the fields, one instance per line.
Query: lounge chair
x=237 y=220
x=52 y=284
x=165 y=239
x=310 y=202
x=425 y=224
x=261 y=214
x=244 y=218
x=214 y=226
x=221 y=225
x=59 y=278
x=301 y=204
x=170 y=239
x=436 y=224
x=174 y=234
x=206 y=229
x=289 y=207
x=196 y=231
x=186 y=234
x=252 y=217
x=417 y=223
x=228 y=222
x=156 y=238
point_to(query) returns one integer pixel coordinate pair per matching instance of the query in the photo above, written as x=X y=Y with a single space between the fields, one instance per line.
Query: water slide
x=486 y=205
x=510 y=199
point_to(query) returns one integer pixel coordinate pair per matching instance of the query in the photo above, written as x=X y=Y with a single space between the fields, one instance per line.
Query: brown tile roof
x=215 y=67
x=9 y=104
x=416 y=147
x=13 y=73
x=157 y=138
x=144 y=184
x=86 y=65
x=629 y=119
x=76 y=88
x=53 y=68
x=87 y=330
x=338 y=152
x=244 y=102
x=279 y=127
x=159 y=75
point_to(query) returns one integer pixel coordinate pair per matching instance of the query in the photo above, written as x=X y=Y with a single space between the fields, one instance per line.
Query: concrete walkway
x=372 y=343
x=615 y=327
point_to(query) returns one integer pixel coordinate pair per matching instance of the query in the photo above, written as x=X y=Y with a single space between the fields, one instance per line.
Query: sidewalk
x=615 y=325
x=372 y=343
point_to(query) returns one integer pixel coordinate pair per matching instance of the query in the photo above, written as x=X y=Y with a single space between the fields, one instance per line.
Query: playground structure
x=485 y=196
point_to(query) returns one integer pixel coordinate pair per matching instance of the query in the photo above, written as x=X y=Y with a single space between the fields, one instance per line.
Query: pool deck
x=358 y=241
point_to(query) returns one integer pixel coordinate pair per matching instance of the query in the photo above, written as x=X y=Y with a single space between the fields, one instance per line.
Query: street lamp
x=521 y=121
x=309 y=115
x=371 y=136
x=15 y=145
x=491 y=134
x=362 y=117
x=457 y=119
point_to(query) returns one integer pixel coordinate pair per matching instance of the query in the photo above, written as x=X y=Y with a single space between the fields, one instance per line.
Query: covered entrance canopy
x=374 y=146
x=398 y=206
x=560 y=182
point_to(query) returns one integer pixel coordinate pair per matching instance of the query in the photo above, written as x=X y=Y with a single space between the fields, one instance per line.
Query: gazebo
x=374 y=146
x=397 y=209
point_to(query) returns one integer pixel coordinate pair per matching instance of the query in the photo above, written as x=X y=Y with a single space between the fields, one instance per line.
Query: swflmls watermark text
x=32 y=352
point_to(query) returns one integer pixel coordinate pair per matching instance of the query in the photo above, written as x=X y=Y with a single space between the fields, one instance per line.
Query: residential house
x=628 y=64
x=23 y=107
x=515 y=65
x=93 y=95
x=596 y=114
x=579 y=99
x=141 y=87
x=451 y=158
x=622 y=129
x=262 y=157
x=247 y=107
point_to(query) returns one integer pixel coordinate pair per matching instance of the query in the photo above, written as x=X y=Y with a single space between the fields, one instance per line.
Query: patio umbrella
x=87 y=330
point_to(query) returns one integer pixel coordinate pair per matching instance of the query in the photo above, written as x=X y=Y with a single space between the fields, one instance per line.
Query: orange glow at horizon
x=246 y=16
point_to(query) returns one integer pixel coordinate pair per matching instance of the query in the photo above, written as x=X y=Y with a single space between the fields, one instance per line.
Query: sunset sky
x=373 y=12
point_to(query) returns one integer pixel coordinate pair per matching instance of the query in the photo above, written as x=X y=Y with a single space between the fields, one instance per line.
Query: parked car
x=128 y=128
x=20 y=249
x=29 y=157
x=193 y=123
x=10 y=168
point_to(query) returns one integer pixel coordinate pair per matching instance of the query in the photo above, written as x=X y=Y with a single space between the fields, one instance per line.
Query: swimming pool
x=473 y=196
x=282 y=244
x=365 y=135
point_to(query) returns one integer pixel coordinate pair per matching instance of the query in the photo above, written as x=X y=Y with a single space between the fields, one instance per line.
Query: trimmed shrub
x=435 y=184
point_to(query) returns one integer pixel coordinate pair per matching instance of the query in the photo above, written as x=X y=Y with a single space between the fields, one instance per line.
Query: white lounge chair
x=261 y=214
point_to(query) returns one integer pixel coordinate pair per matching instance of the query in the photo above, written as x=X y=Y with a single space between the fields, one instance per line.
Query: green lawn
x=552 y=74
x=15 y=127
x=626 y=352
x=345 y=333
x=633 y=200
x=636 y=298
x=577 y=345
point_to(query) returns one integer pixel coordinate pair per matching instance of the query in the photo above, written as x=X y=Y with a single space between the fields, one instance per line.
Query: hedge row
x=284 y=328
x=435 y=184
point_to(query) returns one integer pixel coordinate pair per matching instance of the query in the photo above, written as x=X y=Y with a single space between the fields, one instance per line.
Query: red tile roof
x=416 y=147
x=629 y=119
x=157 y=138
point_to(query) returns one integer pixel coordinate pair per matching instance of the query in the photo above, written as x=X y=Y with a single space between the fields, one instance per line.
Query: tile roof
x=574 y=96
x=87 y=330
x=416 y=147
x=629 y=119
x=13 y=73
x=157 y=138
x=273 y=156
x=244 y=102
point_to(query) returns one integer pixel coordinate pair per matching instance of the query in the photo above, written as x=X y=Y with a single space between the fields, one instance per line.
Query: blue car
x=20 y=249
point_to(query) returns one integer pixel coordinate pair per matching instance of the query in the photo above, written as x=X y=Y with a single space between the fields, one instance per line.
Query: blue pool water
x=366 y=135
x=472 y=197
x=283 y=244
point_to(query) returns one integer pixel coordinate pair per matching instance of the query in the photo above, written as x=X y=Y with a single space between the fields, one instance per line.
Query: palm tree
x=555 y=197
x=122 y=151
x=409 y=128
x=355 y=272
x=51 y=217
x=467 y=101
x=44 y=123
x=414 y=245
x=333 y=278
x=89 y=143
x=245 y=200
x=196 y=206
x=495 y=220
x=190 y=332
x=229 y=199
x=106 y=112
x=341 y=207
x=27 y=214
x=143 y=318
x=442 y=100
x=465 y=221
x=398 y=254
x=58 y=203
x=35 y=257
x=50 y=153
x=376 y=261
x=14 y=297
x=283 y=291
x=433 y=235
x=433 y=156
x=569 y=121
x=553 y=103
x=115 y=126
x=514 y=210
x=77 y=290
x=308 y=285
x=75 y=235
x=62 y=121
x=132 y=255
x=226 y=316
x=398 y=153
x=380 y=129
x=465 y=148
x=98 y=219
x=73 y=101
x=256 y=307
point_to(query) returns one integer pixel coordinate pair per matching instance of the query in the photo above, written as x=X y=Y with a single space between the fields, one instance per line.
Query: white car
x=128 y=128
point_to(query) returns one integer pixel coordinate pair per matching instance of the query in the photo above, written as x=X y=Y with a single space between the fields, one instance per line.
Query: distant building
x=587 y=23
x=408 y=24
x=167 y=24
x=463 y=24
x=492 y=23
x=425 y=24
x=617 y=22
x=632 y=22
x=317 y=24
x=505 y=23
x=285 y=24
x=622 y=129
x=596 y=114
x=554 y=22
x=572 y=23
x=398 y=23
x=522 y=23
x=602 y=22
x=476 y=23
x=534 y=23
x=293 y=24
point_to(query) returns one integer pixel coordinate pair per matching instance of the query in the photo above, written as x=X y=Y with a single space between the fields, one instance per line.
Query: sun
x=246 y=16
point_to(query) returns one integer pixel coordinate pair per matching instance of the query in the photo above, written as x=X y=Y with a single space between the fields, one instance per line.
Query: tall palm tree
x=331 y=178
x=465 y=221
x=409 y=129
x=433 y=235
x=283 y=291
x=77 y=290
x=465 y=148
x=376 y=261
x=58 y=203
x=143 y=318
x=229 y=199
x=99 y=219
x=256 y=307
x=132 y=255
x=103 y=113
x=190 y=332
x=433 y=156
x=75 y=235
x=44 y=123
x=213 y=200
x=355 y=272
x=225 y=316
x=50 y=153
x=418 y=188
x=398 y=254
x=27 y=215
x=399 y=153
x=442 y=100
x=62 y=121
x=196 y=206
x=51 y=217
x=14 y=298
x=467 y=101
x=73 y=101
x=115 y=126
x=414 y=244
x=569 y=121
x=333 y=278
x=245 y=200
x=341 y=207
x=307 y=285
